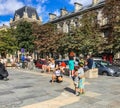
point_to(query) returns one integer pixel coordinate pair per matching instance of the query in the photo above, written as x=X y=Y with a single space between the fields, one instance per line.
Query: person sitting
x=89 y=62
x=57 y=75
x=3 y=72
x=45 y=64
x=63 y=64
x=51 y=65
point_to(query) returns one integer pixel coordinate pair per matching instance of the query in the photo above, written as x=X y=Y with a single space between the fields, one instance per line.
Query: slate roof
x=85 y=8
x=29 y=10
x=101 y=1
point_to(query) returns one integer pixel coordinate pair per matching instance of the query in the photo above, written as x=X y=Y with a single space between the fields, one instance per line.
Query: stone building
x=28 y=14
x=25 y=13
x=66 y=19
x=4 y=27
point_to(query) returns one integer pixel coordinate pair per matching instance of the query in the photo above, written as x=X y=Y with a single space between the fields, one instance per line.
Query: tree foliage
x=7 y=41
x=86 y=38
x=24 y=36
x=46 y=38
x=111 y=11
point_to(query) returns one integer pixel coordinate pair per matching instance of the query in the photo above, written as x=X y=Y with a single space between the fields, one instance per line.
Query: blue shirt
x=23 y=58
x=90 y=63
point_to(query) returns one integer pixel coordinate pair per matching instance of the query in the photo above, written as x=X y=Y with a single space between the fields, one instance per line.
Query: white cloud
x=41 y=1
x=56 y=12
x=40 y=9
x=9 y=6
x=4 y=22
x=84 y=2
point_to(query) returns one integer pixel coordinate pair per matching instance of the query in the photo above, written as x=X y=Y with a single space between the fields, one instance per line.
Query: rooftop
x=29 y=10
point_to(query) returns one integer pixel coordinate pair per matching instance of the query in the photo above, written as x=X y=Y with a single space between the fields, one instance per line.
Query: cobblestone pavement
x=32 y=89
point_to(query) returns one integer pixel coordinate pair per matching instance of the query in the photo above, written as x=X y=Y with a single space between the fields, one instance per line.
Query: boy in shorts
x=82 y=79
x=76 y=82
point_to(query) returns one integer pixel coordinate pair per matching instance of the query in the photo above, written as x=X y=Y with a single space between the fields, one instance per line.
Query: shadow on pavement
x=69 y=90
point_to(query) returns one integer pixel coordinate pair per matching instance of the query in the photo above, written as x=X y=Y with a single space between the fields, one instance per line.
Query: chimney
x=34 y=16
x=64 y=12
x=25 y=14
x=40 y=18
x=11 y=20
x=77 y=6
x=52 y=16
x=94 y=2
x=17 y=17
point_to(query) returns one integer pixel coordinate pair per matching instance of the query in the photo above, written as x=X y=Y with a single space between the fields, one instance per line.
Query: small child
x=82 y=79
x=76 y=82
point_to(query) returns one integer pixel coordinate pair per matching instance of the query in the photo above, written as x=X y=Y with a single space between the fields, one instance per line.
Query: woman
x=71 y=64
x=51 y=65
x=57 y=75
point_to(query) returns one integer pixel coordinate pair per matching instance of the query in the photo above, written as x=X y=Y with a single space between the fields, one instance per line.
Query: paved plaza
x=32 y=89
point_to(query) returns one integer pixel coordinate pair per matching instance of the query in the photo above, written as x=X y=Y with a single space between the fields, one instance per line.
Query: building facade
x=25 y=13
x=4 y=27
x=28 y=14
x=66 y=20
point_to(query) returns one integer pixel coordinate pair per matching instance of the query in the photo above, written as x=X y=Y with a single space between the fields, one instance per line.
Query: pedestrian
x=76 y=82
x=23 y=60
x=71 y=64
x=82 y=78
x=89 y=61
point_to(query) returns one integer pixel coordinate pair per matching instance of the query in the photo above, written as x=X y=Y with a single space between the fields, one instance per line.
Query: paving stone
x=29 y=87
x=5 y=92
x=115 y=92
x=115 y=104
x=7 y=99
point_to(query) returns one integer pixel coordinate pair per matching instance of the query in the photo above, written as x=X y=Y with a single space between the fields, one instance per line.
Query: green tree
x=86 y=38
x=92 y=40
x=24 y=36
x=7 y=41
x=46 y=38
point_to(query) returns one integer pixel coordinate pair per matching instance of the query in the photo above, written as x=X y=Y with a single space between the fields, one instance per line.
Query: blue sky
x=43 y=7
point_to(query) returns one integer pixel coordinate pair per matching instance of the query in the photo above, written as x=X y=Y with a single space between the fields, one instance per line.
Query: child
x=71 y=64
x=82 y=78
x=76 y=82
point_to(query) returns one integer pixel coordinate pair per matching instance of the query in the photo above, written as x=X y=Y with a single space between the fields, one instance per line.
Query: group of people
x=26 y=62
x=58 y=69
x=79 y=80
x=77 y=72
x=49 y=64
